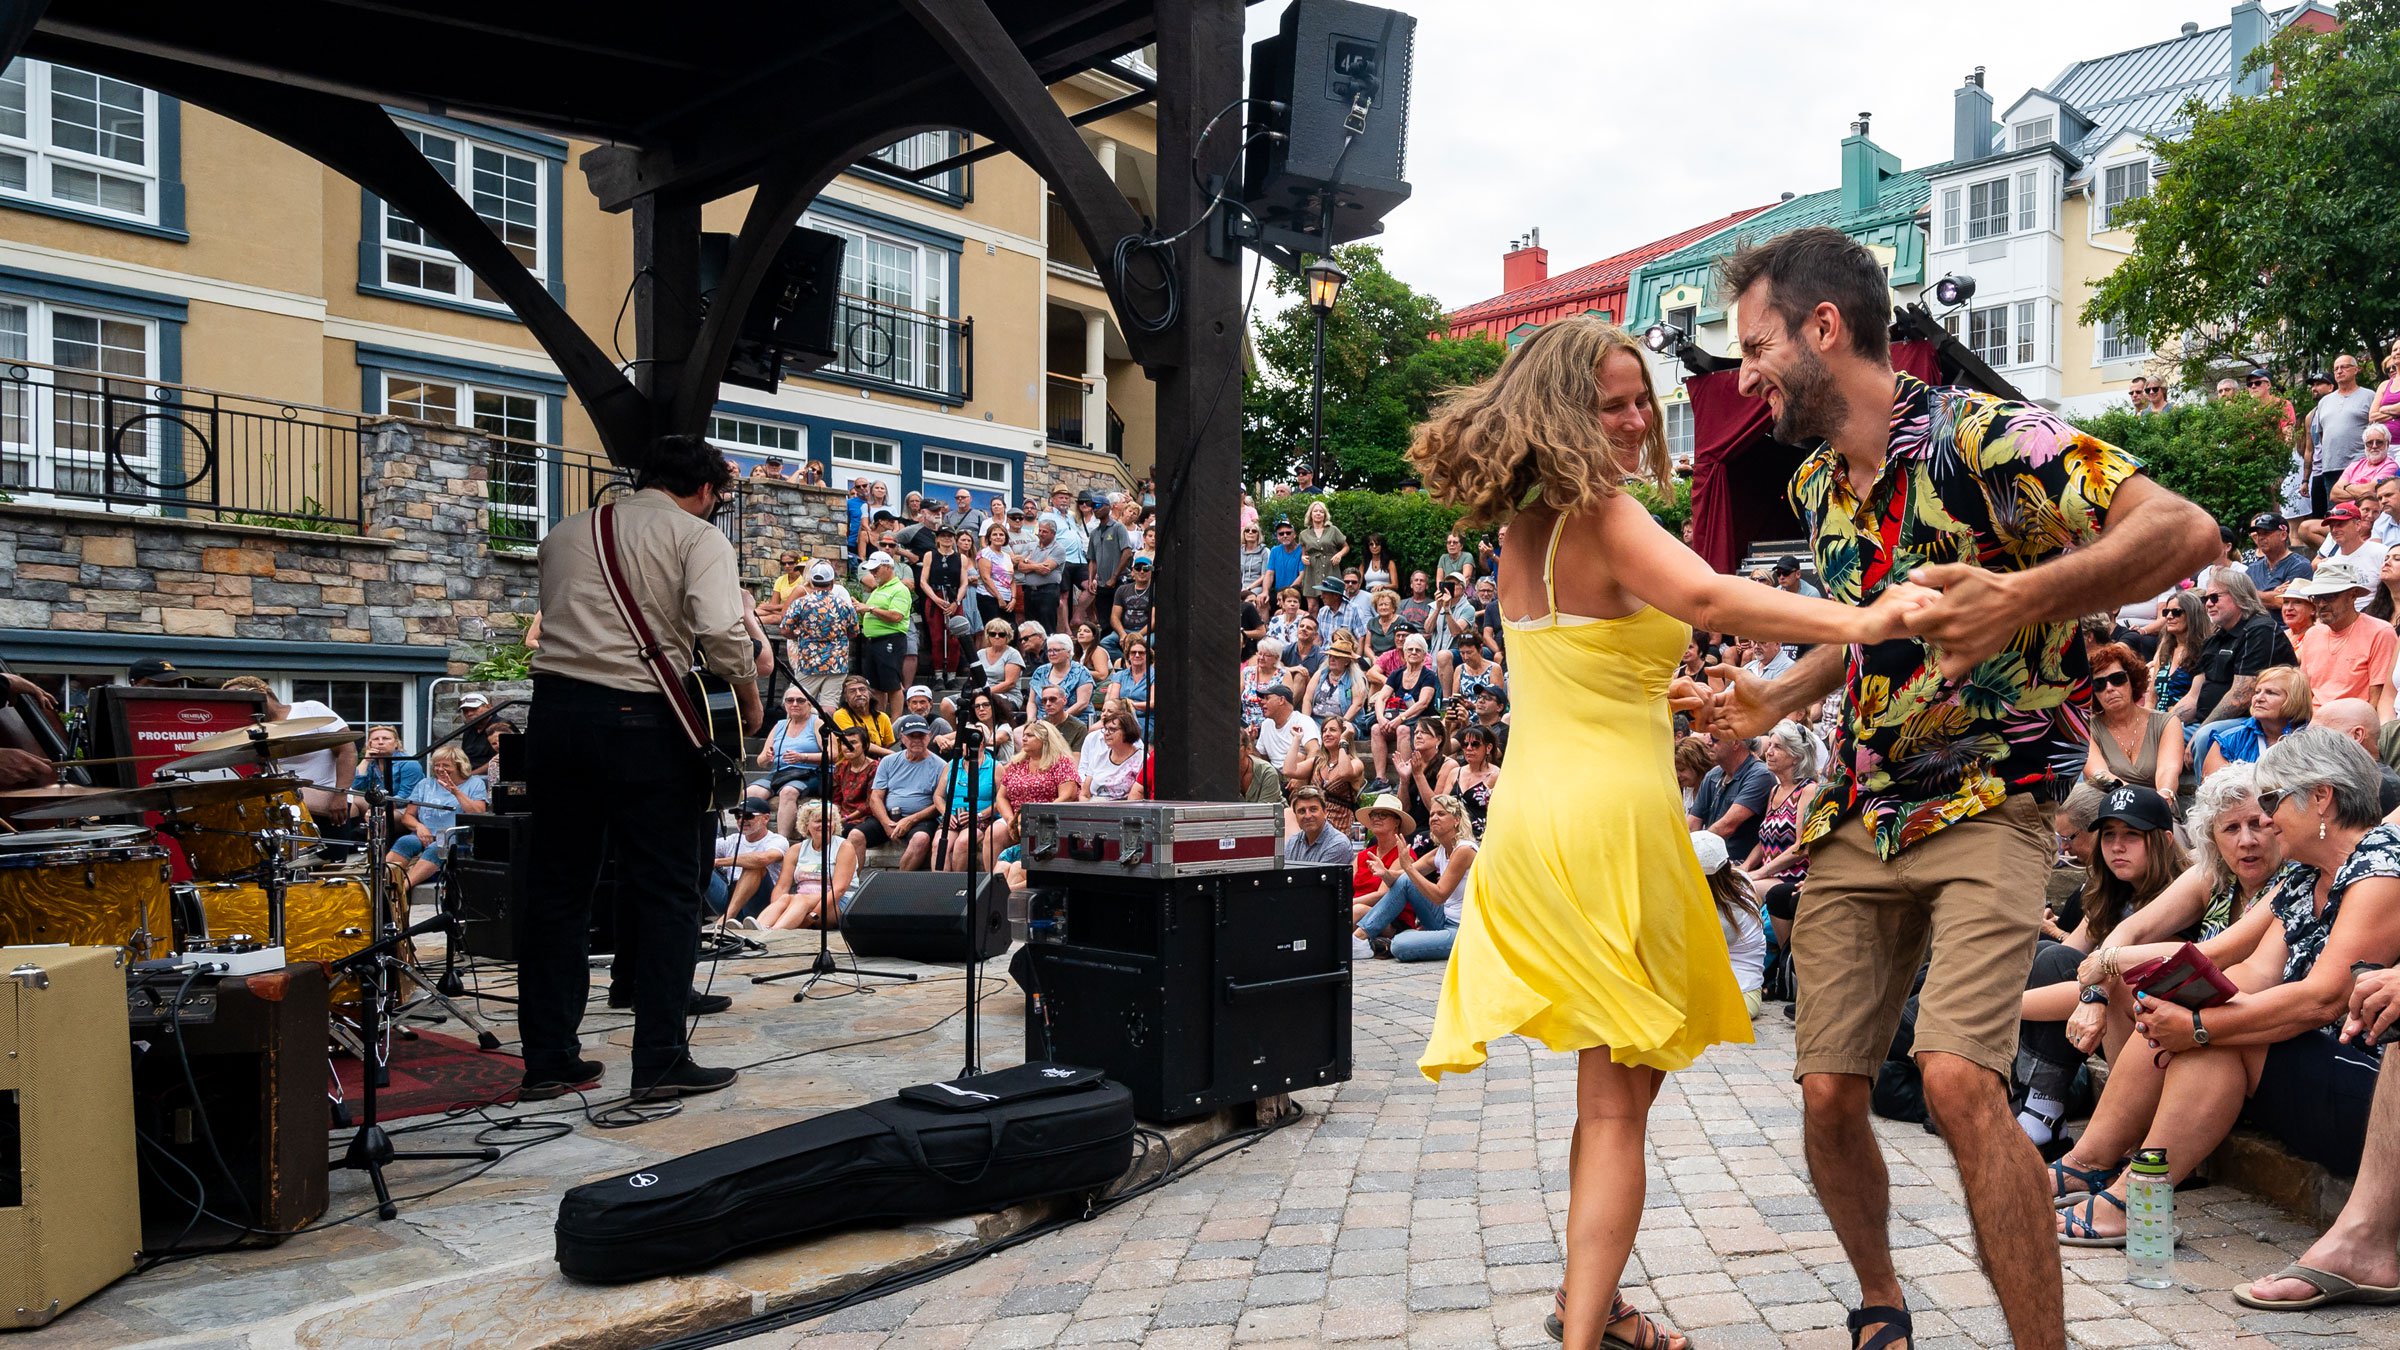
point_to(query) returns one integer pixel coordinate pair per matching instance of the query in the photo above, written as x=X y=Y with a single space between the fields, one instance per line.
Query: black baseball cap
x=157 y=671
x=1786 y=565
x=2142 y=808
x=2319 y=377
x=2265 y=520
x=752 y=806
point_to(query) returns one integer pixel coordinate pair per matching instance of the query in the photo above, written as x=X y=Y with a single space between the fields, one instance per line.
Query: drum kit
x=265 y=887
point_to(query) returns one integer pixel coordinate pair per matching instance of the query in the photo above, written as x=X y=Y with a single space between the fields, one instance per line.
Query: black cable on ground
x=810 y=1311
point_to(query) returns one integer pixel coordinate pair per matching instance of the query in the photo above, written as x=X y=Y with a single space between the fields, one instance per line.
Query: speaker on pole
x=789 y=325
x=929 y=916
x=1334 y=166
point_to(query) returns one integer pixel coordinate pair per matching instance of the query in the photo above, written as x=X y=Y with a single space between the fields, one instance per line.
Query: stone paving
x=1401 y=1213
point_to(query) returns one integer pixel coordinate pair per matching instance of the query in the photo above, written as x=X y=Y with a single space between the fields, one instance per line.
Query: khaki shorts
x=1971 y=892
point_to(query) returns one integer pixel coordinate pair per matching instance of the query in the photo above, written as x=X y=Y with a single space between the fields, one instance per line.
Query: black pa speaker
x=927 y=916
x=1342 y=72
x=789 y=325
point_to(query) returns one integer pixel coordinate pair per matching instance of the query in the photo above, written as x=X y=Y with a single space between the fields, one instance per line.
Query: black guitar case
x=935 y=1151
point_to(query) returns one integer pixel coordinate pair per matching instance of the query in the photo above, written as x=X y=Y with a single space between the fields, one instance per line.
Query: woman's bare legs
x=2203 y=1092
x=787 y=810
x=1605 y=1187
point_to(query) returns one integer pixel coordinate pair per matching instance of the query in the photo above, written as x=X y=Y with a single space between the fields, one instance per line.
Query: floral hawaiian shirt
x=822 y=624
x=1969 y=478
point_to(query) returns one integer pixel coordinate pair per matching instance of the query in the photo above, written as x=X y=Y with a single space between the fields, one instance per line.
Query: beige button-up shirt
x=684 y=576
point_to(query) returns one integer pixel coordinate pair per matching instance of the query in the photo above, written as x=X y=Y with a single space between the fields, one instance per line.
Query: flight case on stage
x=1197 y=993
x=1155 y=840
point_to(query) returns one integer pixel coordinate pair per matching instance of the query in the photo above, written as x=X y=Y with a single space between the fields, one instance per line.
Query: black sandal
x=1896 y=1328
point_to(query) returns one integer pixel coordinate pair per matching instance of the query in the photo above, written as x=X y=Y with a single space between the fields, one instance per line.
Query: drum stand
x=371 y=1148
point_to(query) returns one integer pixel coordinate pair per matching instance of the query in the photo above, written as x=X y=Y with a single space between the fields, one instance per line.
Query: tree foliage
x=1383 y=372
x=2227 y=455
x=2271 y=228
x=1412 y=524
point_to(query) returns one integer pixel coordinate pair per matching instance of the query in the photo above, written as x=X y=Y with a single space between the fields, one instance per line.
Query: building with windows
x=2029 y=204
x=1531 y=297
x=200 y=329
x=1878 y=203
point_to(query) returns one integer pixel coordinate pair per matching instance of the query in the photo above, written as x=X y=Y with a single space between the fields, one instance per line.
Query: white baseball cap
x=820 y=572
x=918 y=690
x=878 y=558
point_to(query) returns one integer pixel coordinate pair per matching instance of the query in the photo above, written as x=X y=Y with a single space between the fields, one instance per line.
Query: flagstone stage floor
x=468 y=1262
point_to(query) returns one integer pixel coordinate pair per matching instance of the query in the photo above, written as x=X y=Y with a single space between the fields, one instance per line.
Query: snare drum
x=325 y=918
x=222 y=840
x=104 y=886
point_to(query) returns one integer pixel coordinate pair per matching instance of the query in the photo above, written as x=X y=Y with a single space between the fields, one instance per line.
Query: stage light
x=1664 y=338
x=1954 y=290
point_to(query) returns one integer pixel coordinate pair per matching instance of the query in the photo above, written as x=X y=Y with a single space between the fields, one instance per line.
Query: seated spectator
x=802 y=883
x=1263 y=670
x=2356 y=719
x=902 y=807
x=1417 y=605
x=2182 y=631
x=1491 y=713
x=383 y=750
x=981 y=708
x=2354 y=1261
x=1456 y=623
x=1738 y=916
x=1304 y=655
x=1692 y=764
x=1093 y=656
x=1478 y=773
x=1284 y=737
x=1383 y=621
x=1132 y=683
x=1431 y=887
x=1471 y=673
x=2136 y=860
x=1775 y=867
x=1414 y=691
x=1313 y=839
x=1284 y=624
x=2299 y=615
x=1385 y=849
x=1062 y=672
x=747 y=860
x=794 y=756
x=2279 y=705
x=2374 y=465
x=2290 y=957
x=1337 y=692
x=857 y=711
x=1041 y=770
x=450 y=788
x=2346 y=654
x=2243 y=640
x=1257 y=782
x=1053 y=711
x=1135 y=602
x=2131 y=742
x=918 y=699
x=1033 y=644
x=1421 y=769
x=1117 y=772
x=853 y=777
x=973 y=798
x=1338 y=771
x=1003 y=669
x=1733 y=797
x=2276 y=564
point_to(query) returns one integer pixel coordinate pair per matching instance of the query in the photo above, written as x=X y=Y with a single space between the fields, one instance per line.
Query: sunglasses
x=2213 y=596
x=2118 y=680
x=2270 y=800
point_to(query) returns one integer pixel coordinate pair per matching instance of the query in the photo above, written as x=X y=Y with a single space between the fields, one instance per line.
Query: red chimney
x=1526 y=263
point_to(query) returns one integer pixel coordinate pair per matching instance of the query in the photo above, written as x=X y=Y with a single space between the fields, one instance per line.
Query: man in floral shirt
x=821 y=623
x=1930 y=834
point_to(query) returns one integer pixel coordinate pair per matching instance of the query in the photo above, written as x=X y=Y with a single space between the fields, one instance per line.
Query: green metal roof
x=1891 y=222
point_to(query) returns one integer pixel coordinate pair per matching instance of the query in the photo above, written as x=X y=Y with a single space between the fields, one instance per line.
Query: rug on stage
x=432 y=1073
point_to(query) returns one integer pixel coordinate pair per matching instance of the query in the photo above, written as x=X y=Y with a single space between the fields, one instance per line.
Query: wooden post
x=1199 y=459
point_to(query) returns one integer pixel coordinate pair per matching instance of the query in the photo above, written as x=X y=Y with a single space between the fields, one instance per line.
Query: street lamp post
x=1324 y=290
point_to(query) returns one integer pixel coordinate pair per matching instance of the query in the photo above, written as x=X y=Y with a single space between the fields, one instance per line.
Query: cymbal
x=268 y=747
x=17 y=799
x=71 y=803
x=225 y=740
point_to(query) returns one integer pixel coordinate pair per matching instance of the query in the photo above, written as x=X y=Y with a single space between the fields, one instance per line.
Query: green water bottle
x=2149 y=1222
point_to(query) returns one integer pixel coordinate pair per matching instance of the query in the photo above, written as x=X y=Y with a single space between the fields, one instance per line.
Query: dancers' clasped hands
x=1964 y=613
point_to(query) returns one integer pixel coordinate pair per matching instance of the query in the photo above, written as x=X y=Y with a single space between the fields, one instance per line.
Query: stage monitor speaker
x=260 y=1070
x=927 y=916
x=789 y=325
x=70 y=1216
x=487 y=886
x=1335 y=169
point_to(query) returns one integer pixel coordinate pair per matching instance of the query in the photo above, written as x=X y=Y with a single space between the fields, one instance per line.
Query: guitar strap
x=670 y=682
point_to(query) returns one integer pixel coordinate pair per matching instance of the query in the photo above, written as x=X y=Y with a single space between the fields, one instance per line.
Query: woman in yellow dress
x=1588 y=924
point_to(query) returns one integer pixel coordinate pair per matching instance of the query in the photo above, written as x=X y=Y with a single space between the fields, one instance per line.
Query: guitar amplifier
x=1152 y=840
x=259 y=1073
x=488 y=872
x=1197 y=993
x=70 y=1220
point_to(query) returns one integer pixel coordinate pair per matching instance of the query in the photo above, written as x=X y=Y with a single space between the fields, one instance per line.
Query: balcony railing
x=70 y=435
x=1068 y=395
x=908 y=349
x=529 y=487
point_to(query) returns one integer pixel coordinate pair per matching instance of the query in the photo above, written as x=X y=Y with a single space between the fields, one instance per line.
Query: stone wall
x=773 y=517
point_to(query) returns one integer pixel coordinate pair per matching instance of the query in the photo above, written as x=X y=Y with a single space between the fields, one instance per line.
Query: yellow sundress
x=1587 y=920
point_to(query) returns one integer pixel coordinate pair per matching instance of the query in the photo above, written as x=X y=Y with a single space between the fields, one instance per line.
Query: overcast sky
x=1609 y=124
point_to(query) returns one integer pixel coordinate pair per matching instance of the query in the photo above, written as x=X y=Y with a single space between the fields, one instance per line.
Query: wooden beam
x=1199 y=428
x=16 y=25
x=1035 y=127
x=774 y=213
x=361 y=142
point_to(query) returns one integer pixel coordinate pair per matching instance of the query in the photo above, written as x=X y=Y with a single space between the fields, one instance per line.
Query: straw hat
x=1343 y=645
x=1389 y=804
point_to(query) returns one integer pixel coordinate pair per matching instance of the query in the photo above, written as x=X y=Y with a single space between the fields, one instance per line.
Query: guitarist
x=612 y=772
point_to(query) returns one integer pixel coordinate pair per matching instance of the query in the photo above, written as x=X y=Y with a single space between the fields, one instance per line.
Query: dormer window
x=2032 y=132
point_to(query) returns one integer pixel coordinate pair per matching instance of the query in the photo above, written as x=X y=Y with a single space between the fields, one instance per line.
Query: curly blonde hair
x=1536 y=423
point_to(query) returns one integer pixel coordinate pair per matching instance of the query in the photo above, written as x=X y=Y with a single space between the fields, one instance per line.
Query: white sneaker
x=1360 y=950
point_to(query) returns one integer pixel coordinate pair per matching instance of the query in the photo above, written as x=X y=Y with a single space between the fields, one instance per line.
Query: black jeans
x=610 y=770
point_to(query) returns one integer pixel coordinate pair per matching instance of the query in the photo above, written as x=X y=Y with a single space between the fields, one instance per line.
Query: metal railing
x=1067 y=396
x=529 y=487
x=158 y=448
x=906 y=348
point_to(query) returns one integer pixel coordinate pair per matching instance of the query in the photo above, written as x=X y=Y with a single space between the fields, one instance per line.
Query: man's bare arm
x=2153 y=538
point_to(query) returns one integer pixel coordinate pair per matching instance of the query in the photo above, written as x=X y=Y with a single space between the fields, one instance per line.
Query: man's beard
x=1812 y=409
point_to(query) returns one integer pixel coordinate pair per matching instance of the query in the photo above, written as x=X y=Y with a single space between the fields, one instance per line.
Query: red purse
x=2186 y=978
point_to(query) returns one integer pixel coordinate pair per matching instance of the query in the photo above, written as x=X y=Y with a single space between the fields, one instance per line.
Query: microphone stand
x=828 y=903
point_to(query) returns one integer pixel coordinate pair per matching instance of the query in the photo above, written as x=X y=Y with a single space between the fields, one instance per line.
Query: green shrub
x=2229 y=456
x=1411 y=523
x=1671 y=508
